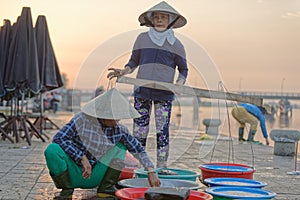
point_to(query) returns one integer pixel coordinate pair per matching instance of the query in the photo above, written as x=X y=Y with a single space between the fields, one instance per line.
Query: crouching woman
x=88 y=152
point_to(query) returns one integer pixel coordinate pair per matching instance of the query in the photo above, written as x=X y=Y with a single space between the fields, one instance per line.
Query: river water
x=187 y=120
x=183 y=116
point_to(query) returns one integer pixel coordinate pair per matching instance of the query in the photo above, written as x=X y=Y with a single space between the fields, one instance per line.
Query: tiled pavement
x=24 y=175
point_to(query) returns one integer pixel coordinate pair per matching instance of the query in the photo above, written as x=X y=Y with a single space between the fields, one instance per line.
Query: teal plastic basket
x=182 y=174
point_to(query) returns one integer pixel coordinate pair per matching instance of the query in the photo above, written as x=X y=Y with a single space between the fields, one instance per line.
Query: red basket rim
x=126 y=192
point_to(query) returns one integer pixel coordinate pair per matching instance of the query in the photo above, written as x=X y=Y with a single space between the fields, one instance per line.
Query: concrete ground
x=24 y=174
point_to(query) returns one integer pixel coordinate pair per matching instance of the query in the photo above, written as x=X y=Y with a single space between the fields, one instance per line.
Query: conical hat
x=162 y=7
x=268 y=108
x=110 y=105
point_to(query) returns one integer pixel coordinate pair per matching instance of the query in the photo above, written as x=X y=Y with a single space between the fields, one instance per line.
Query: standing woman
x=158 y=54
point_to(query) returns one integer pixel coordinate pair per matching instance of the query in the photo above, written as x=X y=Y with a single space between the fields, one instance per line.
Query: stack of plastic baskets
x=228 y=181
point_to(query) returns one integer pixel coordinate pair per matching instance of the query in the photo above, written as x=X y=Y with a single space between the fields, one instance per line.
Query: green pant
x=58 y=162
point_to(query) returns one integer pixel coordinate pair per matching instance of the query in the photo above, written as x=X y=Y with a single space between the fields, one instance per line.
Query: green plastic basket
x=182 y=174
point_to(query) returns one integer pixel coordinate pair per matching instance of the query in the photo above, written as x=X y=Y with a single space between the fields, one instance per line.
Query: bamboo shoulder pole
x=186 y=90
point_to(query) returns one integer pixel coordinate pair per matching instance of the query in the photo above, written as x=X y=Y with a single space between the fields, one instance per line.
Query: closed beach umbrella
x=5 y=38
x=50 y=76
x=4 y=45
x=22 y=72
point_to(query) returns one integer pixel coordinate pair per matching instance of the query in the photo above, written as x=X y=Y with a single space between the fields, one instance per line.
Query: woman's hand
x=118 y=72
x=114 y=73
x=180 y=81
x=153 y=178
x=86 y=166
x=267 y=141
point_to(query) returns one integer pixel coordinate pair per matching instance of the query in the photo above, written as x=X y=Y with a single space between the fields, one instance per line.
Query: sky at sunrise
x=251 y=45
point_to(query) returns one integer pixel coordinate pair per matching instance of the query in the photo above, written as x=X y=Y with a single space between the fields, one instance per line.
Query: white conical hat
x=268 y=108
x=110 y=105
x=162 y=7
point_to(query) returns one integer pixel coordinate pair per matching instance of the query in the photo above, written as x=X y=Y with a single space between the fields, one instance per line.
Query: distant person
x=56 y=98
x=157 y=53
x=88 y=151
x=48 y=101
x=98 y=91
x=248 y=113
x=285 y=107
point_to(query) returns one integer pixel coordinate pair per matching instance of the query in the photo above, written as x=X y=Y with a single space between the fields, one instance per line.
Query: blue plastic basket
x=222 y=193
x=234 y=182
x=183 y=174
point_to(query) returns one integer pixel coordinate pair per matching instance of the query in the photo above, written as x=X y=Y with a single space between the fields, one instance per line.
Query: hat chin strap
x=173 y=22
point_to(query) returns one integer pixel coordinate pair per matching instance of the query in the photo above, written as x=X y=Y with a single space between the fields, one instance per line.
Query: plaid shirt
x=85 y=135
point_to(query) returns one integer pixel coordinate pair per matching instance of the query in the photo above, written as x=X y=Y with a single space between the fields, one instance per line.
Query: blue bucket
x=226 y=193
x=182 y=174
x=234 y=182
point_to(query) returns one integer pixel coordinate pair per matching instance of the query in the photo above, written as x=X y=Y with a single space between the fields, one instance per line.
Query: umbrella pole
x=37 y=131
x=44 y=119
x=41 y=120
x=14 y=117
x=22 y=119
x=27 y=136
x=38 y=125
x=22 y=103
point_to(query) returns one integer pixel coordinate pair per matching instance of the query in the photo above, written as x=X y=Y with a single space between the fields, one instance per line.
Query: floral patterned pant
x=162 y=110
